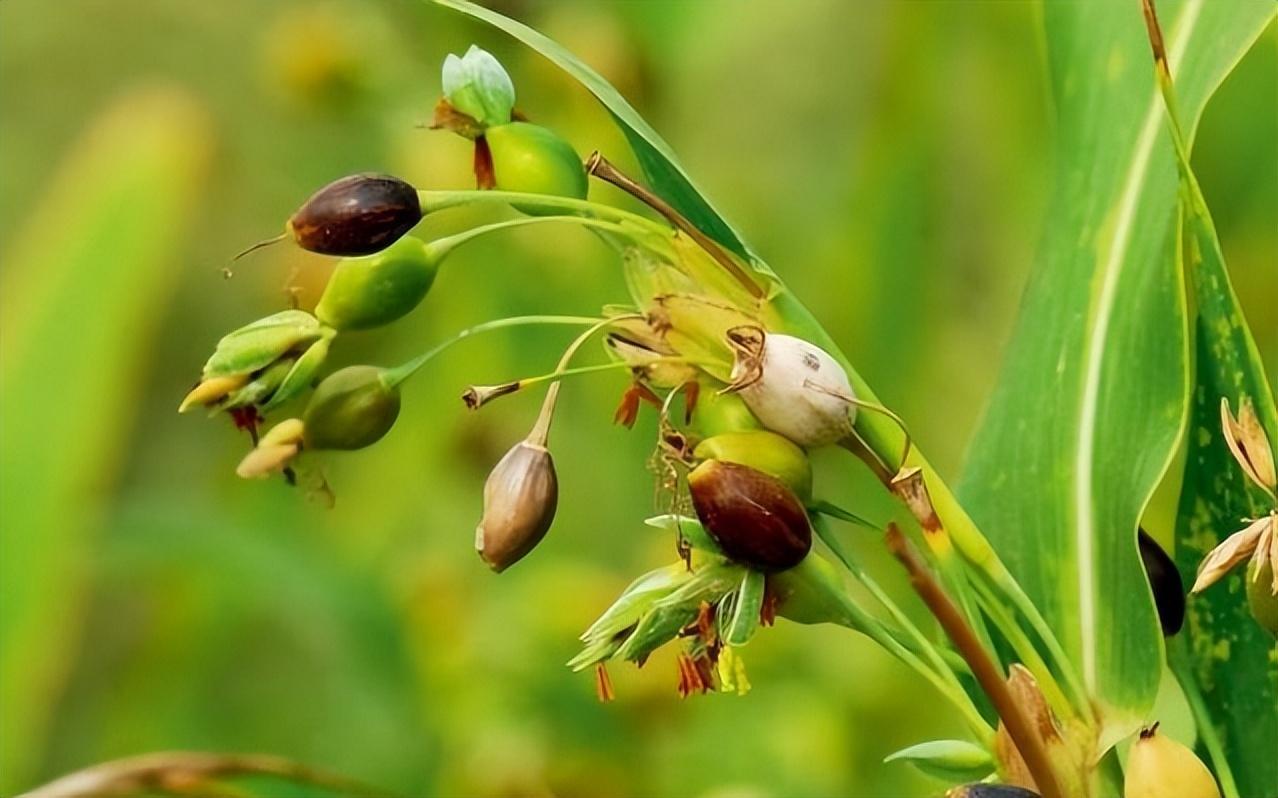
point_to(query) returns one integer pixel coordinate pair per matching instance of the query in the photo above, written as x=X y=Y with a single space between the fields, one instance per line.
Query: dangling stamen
x=603 y=684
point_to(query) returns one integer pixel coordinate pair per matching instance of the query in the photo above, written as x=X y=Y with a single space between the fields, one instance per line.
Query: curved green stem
x=432 y=201
x=440 y=248
x=397 y=375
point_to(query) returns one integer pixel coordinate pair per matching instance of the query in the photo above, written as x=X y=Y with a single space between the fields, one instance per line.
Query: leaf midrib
x=1095 y=336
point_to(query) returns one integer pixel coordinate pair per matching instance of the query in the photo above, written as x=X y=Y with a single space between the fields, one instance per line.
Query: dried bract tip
x=1235 y=549
x=212 y=390
x=520 y=498
x=476 y=396
x=793 y=387
x=1247 y=442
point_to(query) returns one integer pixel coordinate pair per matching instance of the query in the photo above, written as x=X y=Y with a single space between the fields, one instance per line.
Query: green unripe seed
x=1260 y=595
x=377 y=289
x=717 y=413
x=533 y=159
x=352 y=408
x=763 y=451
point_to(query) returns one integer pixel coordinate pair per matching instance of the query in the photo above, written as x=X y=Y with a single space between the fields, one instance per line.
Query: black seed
x=1165 y=582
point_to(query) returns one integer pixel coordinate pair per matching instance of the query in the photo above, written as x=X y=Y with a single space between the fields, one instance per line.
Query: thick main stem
x=1019 y=726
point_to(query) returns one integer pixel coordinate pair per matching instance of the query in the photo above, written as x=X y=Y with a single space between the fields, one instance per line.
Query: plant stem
x=924 y=645
x=1024 y=648
x=862 y=621
x=1019 y=727
x=433 y=200
x=442 y=247
x=541 y=430
x=402 y=372
x=1178 y=659
x=601 y=167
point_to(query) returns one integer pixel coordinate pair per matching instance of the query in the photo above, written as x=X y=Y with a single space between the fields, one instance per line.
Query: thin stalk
x=397 y=375
x=602 y=168
x=442 y=247
x=1019 y=726
x=1178 y=659
x=541 y=430
x=862 y=621
x=437 y=200
x=1024 y=648
x=923 y=643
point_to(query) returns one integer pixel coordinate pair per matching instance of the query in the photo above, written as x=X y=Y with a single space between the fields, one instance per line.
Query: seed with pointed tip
x=1160 y=767
x=1165 y=582
x=755 y=518
x=356 y=215
x=520 y=497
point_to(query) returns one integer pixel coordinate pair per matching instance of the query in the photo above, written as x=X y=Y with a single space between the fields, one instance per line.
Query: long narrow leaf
x=1094 y=393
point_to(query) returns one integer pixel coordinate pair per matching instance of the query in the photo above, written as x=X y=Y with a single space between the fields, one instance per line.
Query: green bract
x=352 y=408
x=378 y=289
x=763 y=451
x=276 y=359
x=477 y=85
x=255 y=346
x=532 y=159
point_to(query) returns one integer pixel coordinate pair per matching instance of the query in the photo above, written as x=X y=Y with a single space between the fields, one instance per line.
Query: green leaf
x=87 y=281
x=953 y=761
x=1226 y=661
x=1093 y=395
x=665 y=175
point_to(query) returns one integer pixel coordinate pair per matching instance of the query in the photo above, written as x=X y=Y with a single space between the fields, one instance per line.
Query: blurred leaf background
x=890 y=159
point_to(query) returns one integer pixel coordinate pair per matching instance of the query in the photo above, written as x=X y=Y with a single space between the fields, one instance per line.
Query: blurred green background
x=891 y=161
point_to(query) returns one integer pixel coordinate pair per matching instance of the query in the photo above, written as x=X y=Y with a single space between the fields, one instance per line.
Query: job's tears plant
x=743 y=383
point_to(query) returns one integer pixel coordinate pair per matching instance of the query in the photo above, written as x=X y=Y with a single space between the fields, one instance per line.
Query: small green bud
x=532 y=159
x=300 y=377
x=352 y=408
x=763 y=451
x=377 y=289
x=356 y=215
x=717 y=413
x=755 y=518
x=477 y=85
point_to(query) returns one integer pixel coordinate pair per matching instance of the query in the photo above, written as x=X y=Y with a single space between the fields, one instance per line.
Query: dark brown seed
x=356 y=215
x=754 y=518
x=1166 y=584
x=990 y=791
